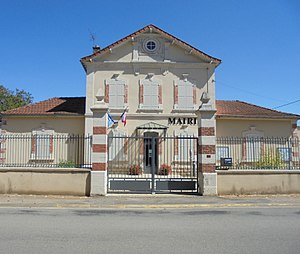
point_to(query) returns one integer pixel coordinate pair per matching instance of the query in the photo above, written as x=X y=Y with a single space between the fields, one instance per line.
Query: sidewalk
x=162 y=201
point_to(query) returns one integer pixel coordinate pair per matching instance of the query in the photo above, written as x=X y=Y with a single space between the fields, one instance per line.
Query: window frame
x=285 y=153
x=222 y=150
x=119 y=153
x=108 y=95
x=150 y=83
x=38 y=144
x=182 y=140
x=182 y=107
x=151 y=51
x=252 y=141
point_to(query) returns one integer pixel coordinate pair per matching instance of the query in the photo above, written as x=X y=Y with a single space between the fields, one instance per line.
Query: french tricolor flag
x=123 y=117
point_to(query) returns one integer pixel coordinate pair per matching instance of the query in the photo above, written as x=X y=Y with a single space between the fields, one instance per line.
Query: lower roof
x=241 y=109
x=71 y=106
x=75 y=106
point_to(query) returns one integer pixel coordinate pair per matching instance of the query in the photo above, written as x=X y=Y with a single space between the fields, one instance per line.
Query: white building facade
x=164 y=86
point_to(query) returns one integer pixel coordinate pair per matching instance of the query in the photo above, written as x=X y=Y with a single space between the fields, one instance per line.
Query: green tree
x=13 y=99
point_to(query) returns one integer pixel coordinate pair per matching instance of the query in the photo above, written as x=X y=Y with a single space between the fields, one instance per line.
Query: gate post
x=207 y=150
x=99 y=146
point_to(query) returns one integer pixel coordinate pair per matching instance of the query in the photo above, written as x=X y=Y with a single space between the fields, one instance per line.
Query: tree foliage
x=13 y=99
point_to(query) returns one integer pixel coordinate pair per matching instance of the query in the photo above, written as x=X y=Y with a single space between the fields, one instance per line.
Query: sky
x=258 y=41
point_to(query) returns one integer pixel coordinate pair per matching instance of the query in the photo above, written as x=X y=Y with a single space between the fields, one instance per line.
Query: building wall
x=133 y=65
x=245 y=182
x=61 y=125
x=269 y=128
x=23 y=141
x=45 y=181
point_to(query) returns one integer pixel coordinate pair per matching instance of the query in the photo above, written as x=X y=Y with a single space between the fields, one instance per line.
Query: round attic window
x=150 y=45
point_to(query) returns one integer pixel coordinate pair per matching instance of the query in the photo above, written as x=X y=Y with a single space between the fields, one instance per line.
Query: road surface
x=202 y=230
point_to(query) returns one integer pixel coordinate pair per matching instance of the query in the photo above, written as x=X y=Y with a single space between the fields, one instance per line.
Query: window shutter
x=175 y=94
x=51 y=144
x=160 y=146
x=151 y=95
x=120 y=95
x=194 y=95
x=148 y=95
x=159 y=94
x=33 y=144
x=106 y=98
x=141 y=146
x=117 y=93
x=176 y=146
x=141 y=98
x=185 y=95
x=125 y=93
x=181 y=96
x=126 y=145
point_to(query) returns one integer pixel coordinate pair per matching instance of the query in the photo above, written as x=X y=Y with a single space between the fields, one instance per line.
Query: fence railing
x=258 y=153
x=174 y=157
x=65 y=151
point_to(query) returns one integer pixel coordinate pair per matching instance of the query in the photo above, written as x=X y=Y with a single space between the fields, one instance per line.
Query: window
x=252 y=148
x=184 y=95
x=252 y=144
x=222 y=152
x=117 y=145
x=285 y=154
x=116 y=94
x=150 y=45
x=42 y=145
x=185 y=147
x=150 y=95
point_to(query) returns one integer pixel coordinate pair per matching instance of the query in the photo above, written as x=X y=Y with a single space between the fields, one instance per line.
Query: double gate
x=152 y=164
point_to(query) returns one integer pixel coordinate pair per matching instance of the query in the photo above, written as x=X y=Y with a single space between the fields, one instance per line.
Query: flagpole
x=124 y=116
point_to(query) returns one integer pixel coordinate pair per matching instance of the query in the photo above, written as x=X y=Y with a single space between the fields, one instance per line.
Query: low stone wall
x=48 y=181
x=236 y=182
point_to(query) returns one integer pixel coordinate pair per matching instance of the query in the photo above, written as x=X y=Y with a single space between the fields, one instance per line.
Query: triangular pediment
x=151 y=44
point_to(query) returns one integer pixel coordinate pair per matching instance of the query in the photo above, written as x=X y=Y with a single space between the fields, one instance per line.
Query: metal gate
x=152 y=163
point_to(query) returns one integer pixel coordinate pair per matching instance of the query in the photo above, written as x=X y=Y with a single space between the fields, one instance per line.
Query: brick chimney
x=96 y=48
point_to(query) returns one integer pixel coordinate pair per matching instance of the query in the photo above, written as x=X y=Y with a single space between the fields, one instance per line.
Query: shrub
x=135 y=170
x=165 y=169
x=66 y=164
x=270 y=160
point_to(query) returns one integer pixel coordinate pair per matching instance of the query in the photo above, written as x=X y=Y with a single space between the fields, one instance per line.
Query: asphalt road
x=201 y=230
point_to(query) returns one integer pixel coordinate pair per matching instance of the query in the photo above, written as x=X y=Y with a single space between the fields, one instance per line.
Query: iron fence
x=152 y=163
x=164 y=156
x=257 y=153
x=65 y=151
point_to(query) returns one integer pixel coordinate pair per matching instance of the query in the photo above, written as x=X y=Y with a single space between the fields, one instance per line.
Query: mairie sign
x=182 y=120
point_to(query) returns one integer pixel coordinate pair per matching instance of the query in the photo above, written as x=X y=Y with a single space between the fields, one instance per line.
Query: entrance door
x=150 y=151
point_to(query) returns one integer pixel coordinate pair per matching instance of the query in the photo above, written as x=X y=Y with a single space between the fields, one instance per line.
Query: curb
x=149 y=206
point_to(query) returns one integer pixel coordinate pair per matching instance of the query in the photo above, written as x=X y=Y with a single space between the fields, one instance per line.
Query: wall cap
x=257 y=172
x=44 y=170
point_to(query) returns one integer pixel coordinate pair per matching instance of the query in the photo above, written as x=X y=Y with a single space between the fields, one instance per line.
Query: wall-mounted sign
x=182 y=120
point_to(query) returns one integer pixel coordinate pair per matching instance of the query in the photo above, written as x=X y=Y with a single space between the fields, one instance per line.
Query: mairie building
x=150 y=103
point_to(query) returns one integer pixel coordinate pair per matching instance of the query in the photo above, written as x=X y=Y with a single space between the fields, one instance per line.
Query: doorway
x=150 y=152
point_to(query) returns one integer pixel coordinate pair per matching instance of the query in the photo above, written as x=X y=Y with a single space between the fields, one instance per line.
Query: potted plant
x=134 y=170
x=165 y=169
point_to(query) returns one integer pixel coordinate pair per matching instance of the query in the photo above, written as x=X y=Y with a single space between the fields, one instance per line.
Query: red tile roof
x=240 y=109
x=177 y=41
x=55 y=106
x=71 y=106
